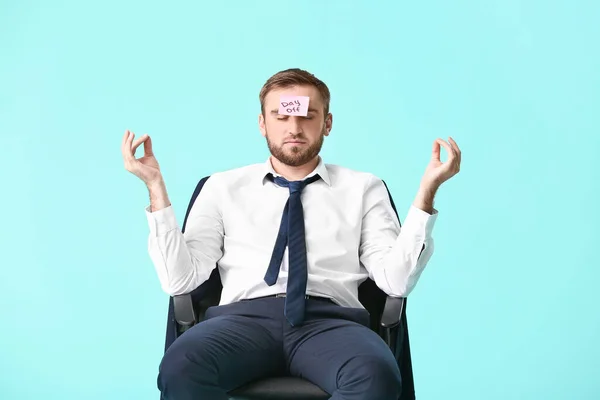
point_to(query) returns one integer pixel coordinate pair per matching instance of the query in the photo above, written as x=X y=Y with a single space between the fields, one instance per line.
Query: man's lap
x=251 y=339
x=333 y=352
x=229 y=351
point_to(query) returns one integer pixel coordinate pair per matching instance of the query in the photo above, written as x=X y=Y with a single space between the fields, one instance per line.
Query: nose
x=295 y=125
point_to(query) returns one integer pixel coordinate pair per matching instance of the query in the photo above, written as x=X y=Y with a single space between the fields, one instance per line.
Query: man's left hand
x=438 y=172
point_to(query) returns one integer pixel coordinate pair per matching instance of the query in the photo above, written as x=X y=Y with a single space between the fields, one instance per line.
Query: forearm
x=424 y=199
x=159 y=197
x=182 y=262
x=396 y=254
x=403 y=265
x=180 y=269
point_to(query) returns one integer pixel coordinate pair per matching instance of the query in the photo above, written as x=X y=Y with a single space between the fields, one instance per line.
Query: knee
x=374 y=377
x=180 y=366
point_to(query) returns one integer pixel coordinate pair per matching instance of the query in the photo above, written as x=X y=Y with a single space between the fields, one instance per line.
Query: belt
x=307 y=297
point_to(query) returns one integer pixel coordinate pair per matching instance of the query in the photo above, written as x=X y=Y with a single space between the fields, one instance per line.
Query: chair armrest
x=392 y=311
x=390 y=320
x=183 y=309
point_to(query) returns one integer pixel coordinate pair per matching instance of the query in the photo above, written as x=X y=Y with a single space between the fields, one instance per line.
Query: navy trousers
x=251 y=339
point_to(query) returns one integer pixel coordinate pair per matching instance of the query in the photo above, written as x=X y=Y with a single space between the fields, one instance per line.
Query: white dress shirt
x=351 y=230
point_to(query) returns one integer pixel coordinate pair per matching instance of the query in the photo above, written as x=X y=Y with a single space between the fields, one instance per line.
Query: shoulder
x=341 y=174
x=243 y=171
x=235 y=176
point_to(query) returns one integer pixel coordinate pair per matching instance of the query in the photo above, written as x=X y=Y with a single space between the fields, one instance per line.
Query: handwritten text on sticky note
x=293 y=105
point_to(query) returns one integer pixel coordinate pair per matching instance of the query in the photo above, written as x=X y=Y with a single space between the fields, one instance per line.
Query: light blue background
x=506 y=308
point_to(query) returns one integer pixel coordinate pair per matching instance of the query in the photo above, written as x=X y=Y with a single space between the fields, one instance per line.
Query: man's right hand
x=146 y=168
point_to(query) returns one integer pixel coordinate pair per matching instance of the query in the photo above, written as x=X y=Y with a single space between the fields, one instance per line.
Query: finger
x=454 y=145
x=456 y=149
x=137 y=143
x=435 y=151
x=126 y=147
x=448 y=148
x=148 y=146
x=124 y=139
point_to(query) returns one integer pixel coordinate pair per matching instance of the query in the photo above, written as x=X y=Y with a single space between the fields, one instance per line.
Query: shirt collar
x=321 y=169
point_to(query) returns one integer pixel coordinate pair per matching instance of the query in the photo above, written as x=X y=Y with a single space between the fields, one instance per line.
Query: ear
x=261 y=125
x=328 y=123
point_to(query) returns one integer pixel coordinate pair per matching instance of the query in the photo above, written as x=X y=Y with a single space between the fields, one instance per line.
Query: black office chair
x=387 y=318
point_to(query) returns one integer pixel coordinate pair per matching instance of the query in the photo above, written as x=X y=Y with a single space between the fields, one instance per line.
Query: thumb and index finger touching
x=128 y=146
x=451 y=149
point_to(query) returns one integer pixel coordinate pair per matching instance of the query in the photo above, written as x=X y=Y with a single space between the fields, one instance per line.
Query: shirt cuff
x=419 y=222
x=161 y=221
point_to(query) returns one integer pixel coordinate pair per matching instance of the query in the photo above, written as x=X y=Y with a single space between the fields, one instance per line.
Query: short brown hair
x=293 y=77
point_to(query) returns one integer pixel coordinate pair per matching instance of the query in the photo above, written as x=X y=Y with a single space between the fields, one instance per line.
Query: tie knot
x=295 y=186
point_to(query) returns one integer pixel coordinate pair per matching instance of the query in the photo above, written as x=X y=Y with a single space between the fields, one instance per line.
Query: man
x=293 y=238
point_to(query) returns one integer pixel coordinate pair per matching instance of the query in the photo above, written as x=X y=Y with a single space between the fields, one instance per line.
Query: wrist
x=159 y=198
x=156 y=185
x=425 y=198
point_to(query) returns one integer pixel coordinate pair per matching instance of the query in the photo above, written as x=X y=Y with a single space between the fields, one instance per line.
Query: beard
x=296 y=156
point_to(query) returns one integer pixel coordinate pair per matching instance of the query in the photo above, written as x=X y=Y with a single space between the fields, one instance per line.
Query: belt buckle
x=285 y=295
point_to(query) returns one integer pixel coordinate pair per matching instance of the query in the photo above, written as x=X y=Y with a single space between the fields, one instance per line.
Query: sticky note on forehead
x=293 y=105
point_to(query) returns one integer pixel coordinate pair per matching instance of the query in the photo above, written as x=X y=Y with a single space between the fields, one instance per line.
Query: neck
x=294 y=173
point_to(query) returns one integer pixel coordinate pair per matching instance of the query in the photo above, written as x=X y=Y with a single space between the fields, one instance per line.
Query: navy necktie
x=291 y=233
